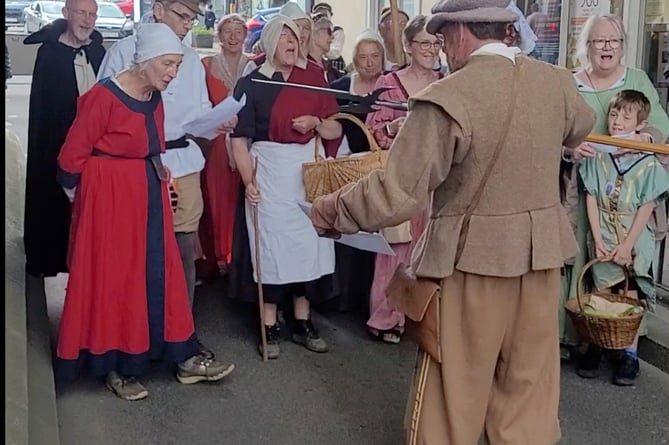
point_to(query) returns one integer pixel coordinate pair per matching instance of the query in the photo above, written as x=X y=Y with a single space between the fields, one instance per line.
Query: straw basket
x=324 y=176
x=610 y=333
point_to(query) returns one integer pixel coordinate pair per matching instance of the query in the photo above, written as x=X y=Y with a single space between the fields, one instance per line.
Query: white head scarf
x=293 y=11
x=527 y=37
x=269 y=39
x=155 y=39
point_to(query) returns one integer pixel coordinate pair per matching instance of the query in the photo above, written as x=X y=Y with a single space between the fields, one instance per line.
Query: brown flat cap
x=469 y=11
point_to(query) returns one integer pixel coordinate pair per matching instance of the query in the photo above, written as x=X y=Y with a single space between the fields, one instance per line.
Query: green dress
x=621 y=186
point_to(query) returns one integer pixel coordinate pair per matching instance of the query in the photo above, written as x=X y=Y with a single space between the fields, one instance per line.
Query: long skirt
x=126 y=300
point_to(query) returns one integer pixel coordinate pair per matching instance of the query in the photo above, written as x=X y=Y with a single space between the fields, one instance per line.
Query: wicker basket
x=324 y=176
x=606 y=332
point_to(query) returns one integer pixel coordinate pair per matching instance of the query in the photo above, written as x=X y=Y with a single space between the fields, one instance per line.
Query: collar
x=498 y=49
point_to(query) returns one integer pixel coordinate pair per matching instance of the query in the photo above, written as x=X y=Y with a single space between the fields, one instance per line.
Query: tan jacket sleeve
x=419 y=160
x=579 y=116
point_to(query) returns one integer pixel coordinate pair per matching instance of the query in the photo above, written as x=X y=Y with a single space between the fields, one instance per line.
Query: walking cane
x=261 y=299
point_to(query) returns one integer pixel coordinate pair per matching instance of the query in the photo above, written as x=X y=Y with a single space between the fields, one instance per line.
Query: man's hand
x=324 y=214
x=583 y=151
x=227 y=127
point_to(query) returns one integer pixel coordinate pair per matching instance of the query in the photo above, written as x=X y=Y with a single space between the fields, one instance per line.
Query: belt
x=182 y=142
x=155 y=160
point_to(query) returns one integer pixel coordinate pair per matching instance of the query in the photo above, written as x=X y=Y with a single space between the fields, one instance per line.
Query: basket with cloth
x=606 y=319
x=324 y=176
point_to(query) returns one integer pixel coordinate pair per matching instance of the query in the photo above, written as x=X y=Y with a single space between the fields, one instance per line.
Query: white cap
x=155 y=39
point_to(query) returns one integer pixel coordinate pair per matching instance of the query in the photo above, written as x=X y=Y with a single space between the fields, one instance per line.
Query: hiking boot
x=199 y=369
x=126 y=388
x=273 y=335
x=588 y=366
x=204 y=351
x=306 y=335
x=626 y=372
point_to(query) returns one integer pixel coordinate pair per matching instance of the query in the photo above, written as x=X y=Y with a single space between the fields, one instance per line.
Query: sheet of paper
x=370 y=242
x=205 y=125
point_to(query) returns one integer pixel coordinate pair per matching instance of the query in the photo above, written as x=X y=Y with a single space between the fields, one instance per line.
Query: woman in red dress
x=126 y=300
x=220 y=183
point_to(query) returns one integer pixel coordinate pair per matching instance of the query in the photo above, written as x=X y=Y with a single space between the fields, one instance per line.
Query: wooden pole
x=261 y=299
x=660 y=149
x=397 y=33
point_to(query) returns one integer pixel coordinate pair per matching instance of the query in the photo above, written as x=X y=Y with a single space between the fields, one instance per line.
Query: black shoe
x=204 y=352
x=588 y=366
x=306 y=335
x=626 y=372
x=273 y=336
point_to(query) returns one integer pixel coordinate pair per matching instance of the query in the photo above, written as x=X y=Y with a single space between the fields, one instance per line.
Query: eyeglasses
x=84 y=14
x=183 y=17
x=601 y=43
x=427 y=45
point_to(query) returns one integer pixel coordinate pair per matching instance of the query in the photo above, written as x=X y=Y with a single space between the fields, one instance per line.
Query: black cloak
x=53 y=106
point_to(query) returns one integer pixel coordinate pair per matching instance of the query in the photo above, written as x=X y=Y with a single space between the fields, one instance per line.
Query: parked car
x=112 y=23
x=41 y=13
x=127 y=6
x=14 y=15
x=256 y=24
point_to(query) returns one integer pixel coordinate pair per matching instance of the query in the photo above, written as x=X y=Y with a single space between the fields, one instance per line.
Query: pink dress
x=382 y=317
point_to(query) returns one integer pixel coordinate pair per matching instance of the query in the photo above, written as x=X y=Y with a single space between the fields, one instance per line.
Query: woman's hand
x=305 y=124
x=583 y=151
x=253 y=194
x=622 y=254
x=227 y=127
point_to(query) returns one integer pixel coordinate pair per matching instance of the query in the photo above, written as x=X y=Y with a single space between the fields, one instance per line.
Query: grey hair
x=583 y=43
x=378 y=44
x=414 y=27
x=138 y=67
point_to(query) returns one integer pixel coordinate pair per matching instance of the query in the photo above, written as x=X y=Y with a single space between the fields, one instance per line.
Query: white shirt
x=498 y=49
x=185 y=99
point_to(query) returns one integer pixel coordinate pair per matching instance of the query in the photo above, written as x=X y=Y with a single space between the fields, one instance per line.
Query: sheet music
x=370 y=242
x=205 y=126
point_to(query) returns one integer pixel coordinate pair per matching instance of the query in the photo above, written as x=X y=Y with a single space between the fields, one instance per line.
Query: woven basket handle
x=373 y=145
x=579 y=285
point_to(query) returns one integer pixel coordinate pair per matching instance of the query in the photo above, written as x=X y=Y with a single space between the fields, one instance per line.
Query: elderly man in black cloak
x=65 y=68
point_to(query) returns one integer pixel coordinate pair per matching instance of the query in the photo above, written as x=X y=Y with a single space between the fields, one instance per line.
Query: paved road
x=353 y=395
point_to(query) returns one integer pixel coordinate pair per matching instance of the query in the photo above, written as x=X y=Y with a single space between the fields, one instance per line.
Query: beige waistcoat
x=519 y=224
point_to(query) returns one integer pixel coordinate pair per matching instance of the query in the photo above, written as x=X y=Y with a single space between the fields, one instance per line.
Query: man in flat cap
x=482 y=148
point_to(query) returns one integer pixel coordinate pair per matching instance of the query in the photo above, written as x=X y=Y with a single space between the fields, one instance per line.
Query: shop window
x=411 y=7
x=544 y=17
x=655 y=44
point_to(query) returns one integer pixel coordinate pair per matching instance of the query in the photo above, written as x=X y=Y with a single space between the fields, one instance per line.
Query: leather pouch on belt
x=159 y=167
x=419 y=299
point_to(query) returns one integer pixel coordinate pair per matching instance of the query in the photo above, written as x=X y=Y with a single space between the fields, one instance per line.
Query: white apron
x=290 y=249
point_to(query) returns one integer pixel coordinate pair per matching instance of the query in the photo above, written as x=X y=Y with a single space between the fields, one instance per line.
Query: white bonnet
x=528 y=39
x=293 y=11
x=154 y=40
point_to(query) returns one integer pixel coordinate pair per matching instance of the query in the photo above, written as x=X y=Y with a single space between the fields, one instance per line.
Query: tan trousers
x=189 y=203
x=500 y=375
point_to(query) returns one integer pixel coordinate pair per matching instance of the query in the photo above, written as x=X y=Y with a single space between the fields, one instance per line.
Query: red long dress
x=126 y=300
x=220 y=185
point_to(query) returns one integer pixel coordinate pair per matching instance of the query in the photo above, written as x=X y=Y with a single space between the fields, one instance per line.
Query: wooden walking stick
x=261 y=299
x=660 y=149
x=397 y=33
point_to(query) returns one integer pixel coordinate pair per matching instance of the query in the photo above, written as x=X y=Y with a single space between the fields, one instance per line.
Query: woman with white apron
x=280 y=125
